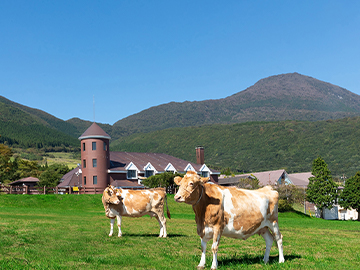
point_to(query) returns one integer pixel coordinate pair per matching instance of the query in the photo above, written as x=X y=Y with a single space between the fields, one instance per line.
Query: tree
x=322 y=190
x=51 y=177
x=165 y=179
x=350 y=196
x=288 y=195
x=27 y=168
x=7 y=164
x=249 y=182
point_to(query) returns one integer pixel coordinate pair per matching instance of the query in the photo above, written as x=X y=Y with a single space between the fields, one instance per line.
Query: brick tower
x=95 y=157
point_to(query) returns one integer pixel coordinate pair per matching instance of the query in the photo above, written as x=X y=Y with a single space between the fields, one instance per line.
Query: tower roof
x=94 y=131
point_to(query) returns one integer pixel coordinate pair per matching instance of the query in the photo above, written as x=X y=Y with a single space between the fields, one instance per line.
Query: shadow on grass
x=249 y=260
x=170 y=235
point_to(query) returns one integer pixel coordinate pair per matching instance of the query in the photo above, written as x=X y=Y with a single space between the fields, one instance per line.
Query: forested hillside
x=21 y=129
x=35 y=136
x=259 y=146
x=228 y=128
x=276 y=98
x=82 y=126
x=20 y=114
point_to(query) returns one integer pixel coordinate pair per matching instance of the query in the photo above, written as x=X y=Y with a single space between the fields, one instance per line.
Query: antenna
x=94 y=107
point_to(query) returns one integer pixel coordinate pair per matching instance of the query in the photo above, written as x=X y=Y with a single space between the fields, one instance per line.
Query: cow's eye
x=191 y=184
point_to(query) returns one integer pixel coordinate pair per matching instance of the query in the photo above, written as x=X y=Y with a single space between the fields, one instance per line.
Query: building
x=272 y=178
x=100 y=167
x=28 y=181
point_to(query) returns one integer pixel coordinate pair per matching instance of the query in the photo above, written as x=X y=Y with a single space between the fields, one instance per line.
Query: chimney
x=200 y=155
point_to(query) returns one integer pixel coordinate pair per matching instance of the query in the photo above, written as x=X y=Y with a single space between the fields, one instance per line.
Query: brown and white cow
x=135 y=203
x=230 y=211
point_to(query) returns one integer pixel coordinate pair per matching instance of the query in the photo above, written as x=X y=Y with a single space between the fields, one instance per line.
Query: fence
x=56 y=190
x=48 y=190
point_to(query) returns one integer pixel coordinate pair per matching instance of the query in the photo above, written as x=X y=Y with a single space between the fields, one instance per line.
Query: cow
x=135 y=203
x=230 y=211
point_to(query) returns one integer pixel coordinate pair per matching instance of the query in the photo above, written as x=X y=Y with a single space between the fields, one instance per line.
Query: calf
x=230 y=211
x=135 y=203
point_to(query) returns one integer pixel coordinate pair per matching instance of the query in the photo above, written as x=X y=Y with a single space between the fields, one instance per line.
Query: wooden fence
x=4 y=189
x=48 y=190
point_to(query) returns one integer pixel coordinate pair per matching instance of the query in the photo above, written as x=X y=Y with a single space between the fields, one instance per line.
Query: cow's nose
x=177 y=197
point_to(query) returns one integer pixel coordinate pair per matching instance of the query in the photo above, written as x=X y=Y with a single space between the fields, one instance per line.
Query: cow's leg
x=214 y=249
x=112 y=221
x=278 y=238
x=119 y=225
x=162 y=223
x=203 y=253
x=269 y=241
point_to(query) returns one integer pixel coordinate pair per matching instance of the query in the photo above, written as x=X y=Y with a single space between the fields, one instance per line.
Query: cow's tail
x=167 y=208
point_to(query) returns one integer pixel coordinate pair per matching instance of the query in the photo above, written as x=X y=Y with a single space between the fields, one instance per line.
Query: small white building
x=338 y=212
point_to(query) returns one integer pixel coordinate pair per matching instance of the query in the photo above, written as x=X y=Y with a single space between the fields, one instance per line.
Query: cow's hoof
x=200 y=267
x=110 y=235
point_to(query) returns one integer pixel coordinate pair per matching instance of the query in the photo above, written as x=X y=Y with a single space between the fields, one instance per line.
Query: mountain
x=282 y=121
x=28 y=127
x=82 y=125
x=259 y=146
x=282 y=97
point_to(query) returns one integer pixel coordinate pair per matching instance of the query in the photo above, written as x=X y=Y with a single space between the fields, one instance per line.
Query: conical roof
x=94 y=131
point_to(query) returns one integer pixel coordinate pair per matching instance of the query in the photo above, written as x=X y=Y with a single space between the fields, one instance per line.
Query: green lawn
x=71 y=232
x=66 y=158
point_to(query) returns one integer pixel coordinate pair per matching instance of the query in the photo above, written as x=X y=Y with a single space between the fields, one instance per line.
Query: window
x=94 y=163
x=95 y=180
x=131 y=174
x=84 y=163
x=83 y=146
x=149 y=173
x=84 y=180
x=105 y=146
x=93 y=145
x=205 y=174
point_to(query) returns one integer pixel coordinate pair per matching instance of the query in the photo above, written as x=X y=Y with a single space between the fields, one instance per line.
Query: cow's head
x=191 y=187
x=109 y=195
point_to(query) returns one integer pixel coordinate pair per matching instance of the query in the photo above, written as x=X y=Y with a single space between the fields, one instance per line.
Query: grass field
x=62 y=158
x=71 y=232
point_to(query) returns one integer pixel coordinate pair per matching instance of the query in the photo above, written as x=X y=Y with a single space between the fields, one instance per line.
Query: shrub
x=285 y=206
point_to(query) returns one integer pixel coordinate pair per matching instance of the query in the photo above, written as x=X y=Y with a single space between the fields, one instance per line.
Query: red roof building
x=100 y=167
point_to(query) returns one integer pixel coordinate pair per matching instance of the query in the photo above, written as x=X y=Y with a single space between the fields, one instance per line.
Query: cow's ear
x=204 y=179
x=177 y=180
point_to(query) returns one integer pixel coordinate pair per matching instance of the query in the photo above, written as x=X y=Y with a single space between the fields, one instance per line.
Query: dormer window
x=170 y=168
x=131 y=174
x=205 y=171
x=205 y=174
x=149 y=170
x=149 y=173
x=189 y=167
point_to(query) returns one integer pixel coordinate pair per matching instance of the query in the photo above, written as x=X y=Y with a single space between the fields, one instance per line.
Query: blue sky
x=59 y=56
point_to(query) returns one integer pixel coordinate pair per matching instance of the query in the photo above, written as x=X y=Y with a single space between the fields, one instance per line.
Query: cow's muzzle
x=178 y=198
